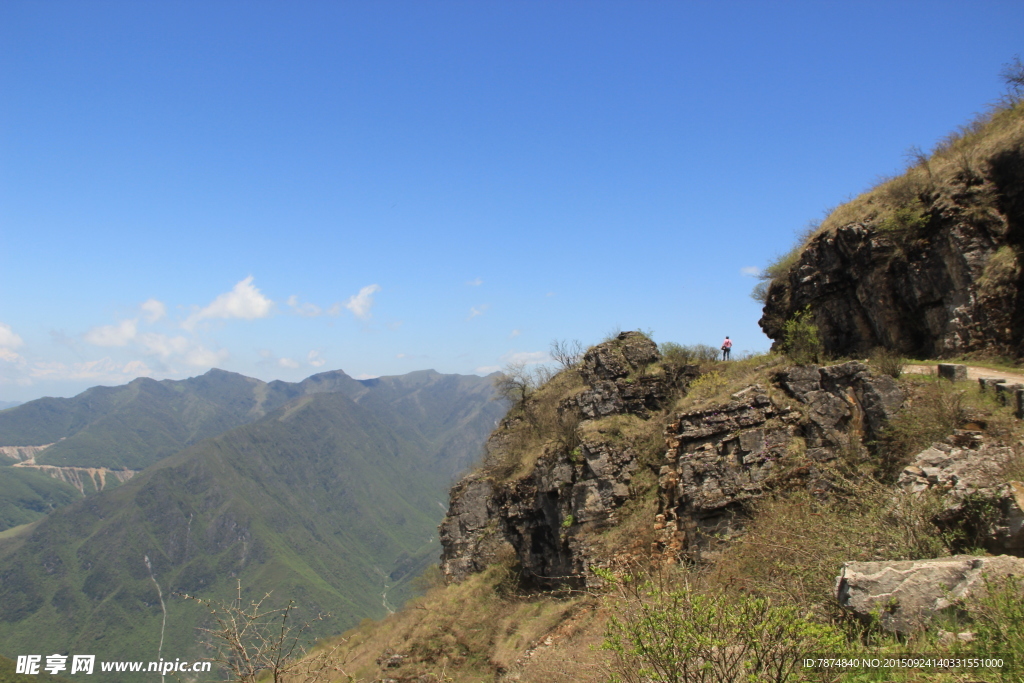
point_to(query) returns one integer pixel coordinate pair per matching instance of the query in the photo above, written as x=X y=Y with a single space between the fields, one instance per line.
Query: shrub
x=931 y=413
x=888 y=361
x=906 y=219
x=1000 y=273
x=567 y=354
x=679 y=354
x=684 y=636
x=800 y=338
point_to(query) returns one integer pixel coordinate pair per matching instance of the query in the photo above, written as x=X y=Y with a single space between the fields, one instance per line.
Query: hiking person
x=726 y=348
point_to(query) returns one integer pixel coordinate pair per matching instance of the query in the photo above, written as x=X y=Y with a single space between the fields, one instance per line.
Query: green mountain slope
x=326 y=500
x=25 y=496
x=138 y=424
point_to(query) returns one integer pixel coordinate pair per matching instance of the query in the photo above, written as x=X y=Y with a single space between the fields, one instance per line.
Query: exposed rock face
x=716 y=459
x=721 y=457
x=906 y=595
x=539 y=517
x=968 y=470
x=844 y=400
x=614 y=374
x=937 y=293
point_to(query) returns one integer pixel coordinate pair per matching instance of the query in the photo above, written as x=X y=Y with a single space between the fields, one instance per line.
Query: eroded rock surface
x=904 y=596
x=720 y=457
x=937 y=292
x=539 y=517
x=968 y=471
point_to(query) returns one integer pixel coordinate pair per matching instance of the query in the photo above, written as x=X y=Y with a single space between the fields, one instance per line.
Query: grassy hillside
x=958 y=175
x=26 y=496
x=644 y=604
x=325 y=501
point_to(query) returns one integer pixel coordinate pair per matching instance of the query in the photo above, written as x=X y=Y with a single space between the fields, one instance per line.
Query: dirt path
x=973 y=372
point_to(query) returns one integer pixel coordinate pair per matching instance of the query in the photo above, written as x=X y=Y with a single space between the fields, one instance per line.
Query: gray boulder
x=905 y=596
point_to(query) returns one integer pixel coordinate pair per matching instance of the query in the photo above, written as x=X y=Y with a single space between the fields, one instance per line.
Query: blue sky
x=283 y=188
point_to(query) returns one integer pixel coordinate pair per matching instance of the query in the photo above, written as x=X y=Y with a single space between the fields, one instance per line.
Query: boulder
x=969 y=472
x=904 y=596
x=844 y=401
x=628 y=353
x=953 y=372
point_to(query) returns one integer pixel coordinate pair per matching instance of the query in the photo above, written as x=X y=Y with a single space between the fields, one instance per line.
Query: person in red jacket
x=726 y=348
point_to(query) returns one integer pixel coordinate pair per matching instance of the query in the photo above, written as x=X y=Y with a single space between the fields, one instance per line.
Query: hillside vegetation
x=328 y=500
x=543 y=580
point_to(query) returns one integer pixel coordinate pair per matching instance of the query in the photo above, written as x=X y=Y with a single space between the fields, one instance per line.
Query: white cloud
x=314 y=359
x=514 y=333
x=102 y=370
x=366 y=376
x=487 y=369
x=475 y=283
x=8 y=338
x=477 y=310
x=335 y=308
x=305 y=309
x=526 y=357
x=751 y=271
x=153 y=310
x=243 y=301
x=202 y=357
x=9 y=356
x=162 y=345
x=113 y=335
x=361 y=303
x=288 y=363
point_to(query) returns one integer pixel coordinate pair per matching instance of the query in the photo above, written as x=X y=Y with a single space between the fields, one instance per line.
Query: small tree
x=800 y=338
x=1013 y=76
x=254 y=643
x=515 y=383
x=566 y=353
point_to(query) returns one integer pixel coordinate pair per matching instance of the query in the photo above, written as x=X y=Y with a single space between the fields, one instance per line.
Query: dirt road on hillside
x=973 y=372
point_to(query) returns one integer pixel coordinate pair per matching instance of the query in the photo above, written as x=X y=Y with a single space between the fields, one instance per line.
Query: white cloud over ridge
x=153 y=310
x=361 y=303
x=102 y=370
x=244 y=301
x=9 y=339
x=314 y=359
x=113 y=335
x=526 y=357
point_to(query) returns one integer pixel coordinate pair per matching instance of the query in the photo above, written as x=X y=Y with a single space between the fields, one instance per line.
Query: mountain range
x=327 y=492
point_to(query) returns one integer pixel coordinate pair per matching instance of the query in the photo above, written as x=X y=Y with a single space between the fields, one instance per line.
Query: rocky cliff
x=705 y=464
x=927 y=263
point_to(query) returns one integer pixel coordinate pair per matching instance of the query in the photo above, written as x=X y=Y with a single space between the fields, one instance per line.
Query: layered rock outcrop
x=968 y=471
x=947 y=286
x=905 y=596
x=540 y=516
x=720 y=457
x=715 y=460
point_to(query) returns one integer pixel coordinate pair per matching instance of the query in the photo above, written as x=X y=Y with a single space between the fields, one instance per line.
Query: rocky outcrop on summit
x=539 y=517
x=716 y=459
x=950 y=285
x=720 y=457
x=616 y=382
